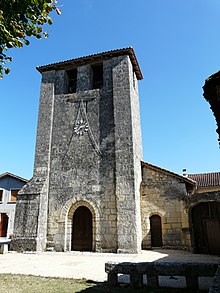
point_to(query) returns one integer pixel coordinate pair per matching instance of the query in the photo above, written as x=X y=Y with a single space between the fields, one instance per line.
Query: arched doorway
x=3 y=225
x=82 y=229
x=156 y=231
x=206 y=227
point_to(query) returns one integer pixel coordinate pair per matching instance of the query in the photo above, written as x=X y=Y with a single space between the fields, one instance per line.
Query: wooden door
x=156 y=231
x=213 y=235
x=206 y=227
x=3 y=225
x=82 y=229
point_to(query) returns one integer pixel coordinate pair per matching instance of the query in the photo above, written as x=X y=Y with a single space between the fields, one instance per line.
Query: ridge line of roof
x=123 y=51
x=13 y=175
x=189 y=180
x=203 y=173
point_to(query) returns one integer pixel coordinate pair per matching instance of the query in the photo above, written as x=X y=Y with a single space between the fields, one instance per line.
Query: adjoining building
x=204 y=213
x=10 y=185
x=90 y=189
x=164 y=208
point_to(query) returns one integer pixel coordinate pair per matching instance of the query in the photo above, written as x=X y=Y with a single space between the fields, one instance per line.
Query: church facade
x=90 y=190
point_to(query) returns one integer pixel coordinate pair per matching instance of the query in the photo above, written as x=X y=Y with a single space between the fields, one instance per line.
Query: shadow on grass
x=97 y=287
x=11 y=283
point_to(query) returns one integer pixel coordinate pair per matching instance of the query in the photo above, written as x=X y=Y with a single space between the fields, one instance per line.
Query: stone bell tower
x=85 y=191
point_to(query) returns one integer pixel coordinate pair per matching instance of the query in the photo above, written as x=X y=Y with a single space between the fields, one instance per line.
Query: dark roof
x=167 y=172
x=94 y=59
x=206 y=179
x=13 y=175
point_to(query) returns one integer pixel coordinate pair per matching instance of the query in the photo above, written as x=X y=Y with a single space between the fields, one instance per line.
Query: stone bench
x=152 y=270
x=215 y=288
x=4 y=246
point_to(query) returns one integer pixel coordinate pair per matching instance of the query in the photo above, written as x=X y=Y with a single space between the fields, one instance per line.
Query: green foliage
x=19 y=20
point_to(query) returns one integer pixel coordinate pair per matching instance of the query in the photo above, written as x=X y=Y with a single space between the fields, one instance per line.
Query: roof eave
x=95 y=58
x=180 y=177
x=13 y=175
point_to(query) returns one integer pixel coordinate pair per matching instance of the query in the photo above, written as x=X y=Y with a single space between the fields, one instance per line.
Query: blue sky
x=177 y=44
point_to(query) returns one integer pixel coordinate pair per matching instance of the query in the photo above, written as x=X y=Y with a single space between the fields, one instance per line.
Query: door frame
x=152 y=232
x=66 y=218
x=83 y=213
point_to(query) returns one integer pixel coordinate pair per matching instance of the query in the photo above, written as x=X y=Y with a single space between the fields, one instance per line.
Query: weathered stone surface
x=191 y=271
x=88 y=153
x=165 y=195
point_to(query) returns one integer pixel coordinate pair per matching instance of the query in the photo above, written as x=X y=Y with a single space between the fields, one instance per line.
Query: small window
x=72 y=80
x=14 y=193
x=1 y=195
x=97 y=76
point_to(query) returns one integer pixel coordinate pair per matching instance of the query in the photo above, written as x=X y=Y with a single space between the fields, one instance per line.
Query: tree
x=20 y=20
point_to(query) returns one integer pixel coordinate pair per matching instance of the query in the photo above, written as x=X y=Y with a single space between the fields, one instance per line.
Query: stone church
x=91 y=190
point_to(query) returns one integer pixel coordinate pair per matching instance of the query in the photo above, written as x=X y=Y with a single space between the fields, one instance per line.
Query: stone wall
x=165 y=195
x=82 y=166
x=26 y=223
x=128 y=155
x=30 y=231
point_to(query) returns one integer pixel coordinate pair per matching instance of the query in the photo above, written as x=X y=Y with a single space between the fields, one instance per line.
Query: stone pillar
x=84 y=78
x=30 y=231
x=128 y=155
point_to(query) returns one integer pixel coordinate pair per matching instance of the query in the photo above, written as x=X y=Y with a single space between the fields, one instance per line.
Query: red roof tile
x=206 y=179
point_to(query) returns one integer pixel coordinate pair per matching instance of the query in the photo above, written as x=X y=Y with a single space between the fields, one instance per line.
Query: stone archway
x=66 y=222
x=206 y=227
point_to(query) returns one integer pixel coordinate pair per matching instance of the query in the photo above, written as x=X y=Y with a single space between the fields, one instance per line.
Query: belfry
x=85 y=191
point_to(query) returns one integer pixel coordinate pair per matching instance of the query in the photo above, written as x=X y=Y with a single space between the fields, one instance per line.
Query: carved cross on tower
x=81 y=125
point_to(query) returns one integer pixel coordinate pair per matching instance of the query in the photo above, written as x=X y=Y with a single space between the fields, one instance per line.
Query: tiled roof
x=95 y=58
x=206 y=179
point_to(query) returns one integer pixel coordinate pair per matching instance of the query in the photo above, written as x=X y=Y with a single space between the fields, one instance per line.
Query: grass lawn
x=31 y=284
